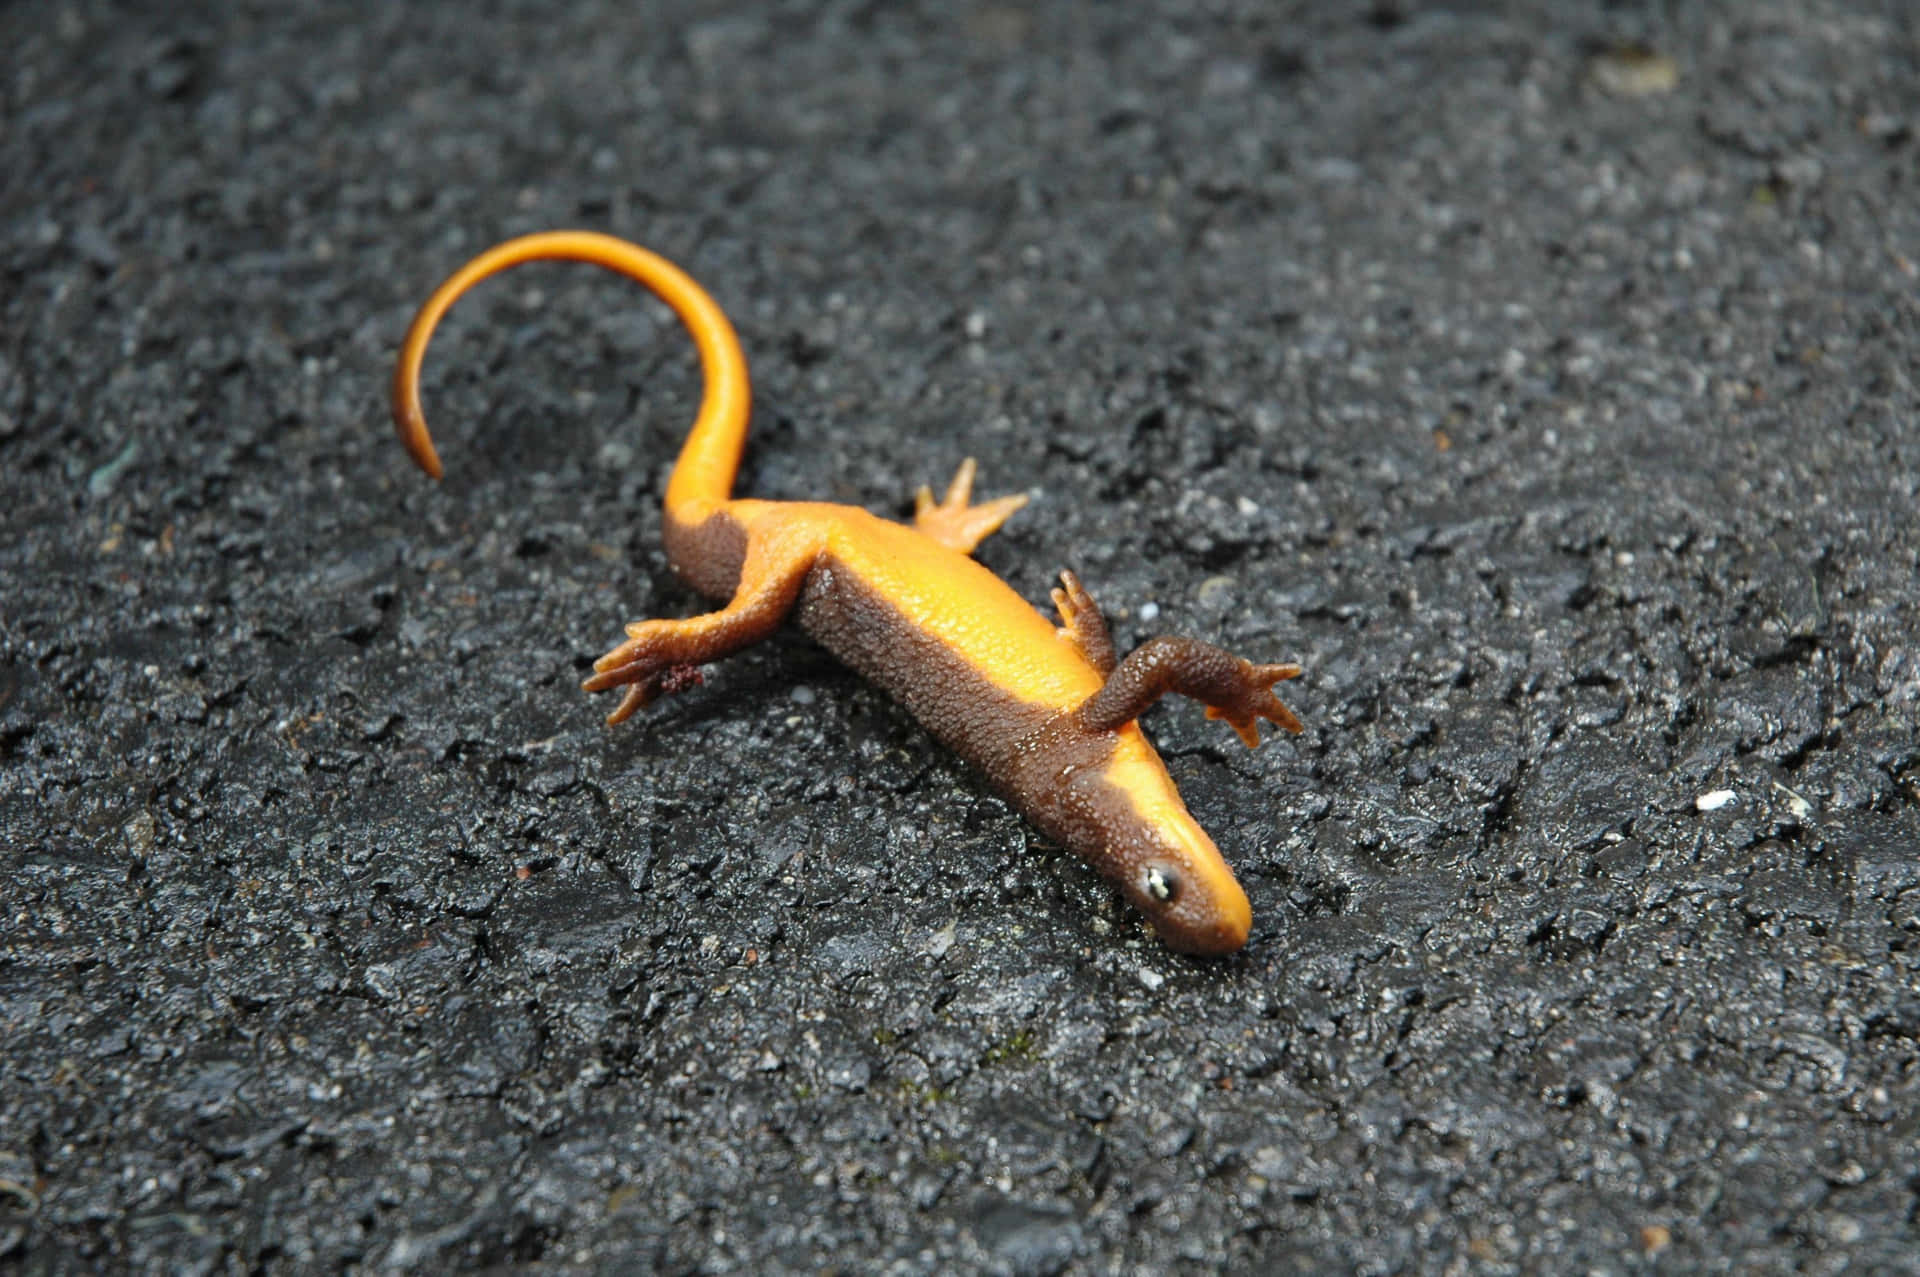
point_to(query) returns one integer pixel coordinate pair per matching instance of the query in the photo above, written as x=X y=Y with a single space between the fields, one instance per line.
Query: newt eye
x=1162 y=884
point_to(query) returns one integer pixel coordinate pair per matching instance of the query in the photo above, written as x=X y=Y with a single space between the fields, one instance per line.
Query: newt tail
x=1047 y=712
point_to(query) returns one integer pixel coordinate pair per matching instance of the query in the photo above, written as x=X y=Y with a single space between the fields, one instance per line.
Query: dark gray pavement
x=1553 y=403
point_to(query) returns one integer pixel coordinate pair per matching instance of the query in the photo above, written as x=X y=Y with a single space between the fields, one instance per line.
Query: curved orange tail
x=703 y=477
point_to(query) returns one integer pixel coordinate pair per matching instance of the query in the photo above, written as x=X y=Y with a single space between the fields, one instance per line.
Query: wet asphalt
x=1541 y=378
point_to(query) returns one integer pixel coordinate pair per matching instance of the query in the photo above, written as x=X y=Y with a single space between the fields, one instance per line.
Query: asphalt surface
x=1542 y=378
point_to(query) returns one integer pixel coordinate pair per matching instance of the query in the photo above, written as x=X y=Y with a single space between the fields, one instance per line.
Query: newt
x=1047 y=712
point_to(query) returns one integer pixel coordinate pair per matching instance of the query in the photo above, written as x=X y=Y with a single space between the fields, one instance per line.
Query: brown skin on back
x=1047 y=713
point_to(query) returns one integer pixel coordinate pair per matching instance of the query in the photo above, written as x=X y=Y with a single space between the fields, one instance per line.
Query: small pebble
x=1634 y=71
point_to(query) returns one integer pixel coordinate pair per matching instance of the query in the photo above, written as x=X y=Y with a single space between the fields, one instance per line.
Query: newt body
x=1046 y=712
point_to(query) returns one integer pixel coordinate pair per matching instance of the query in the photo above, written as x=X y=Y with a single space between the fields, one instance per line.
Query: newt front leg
x=1082 y=625
x=1230 y=687
x=956 y=522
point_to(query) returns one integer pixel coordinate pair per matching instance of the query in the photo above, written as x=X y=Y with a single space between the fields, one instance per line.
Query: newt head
x=1157 y=853
x=1192 y=910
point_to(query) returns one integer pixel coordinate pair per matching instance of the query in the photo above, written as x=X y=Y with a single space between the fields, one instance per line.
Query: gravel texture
x=1541 y=377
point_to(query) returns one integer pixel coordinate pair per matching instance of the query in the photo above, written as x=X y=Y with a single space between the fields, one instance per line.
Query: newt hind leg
x=1231 y=688
x=661 y=657
x=955 y=522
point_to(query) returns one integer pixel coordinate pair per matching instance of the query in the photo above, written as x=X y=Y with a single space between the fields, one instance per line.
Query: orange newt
x=1047 y=713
